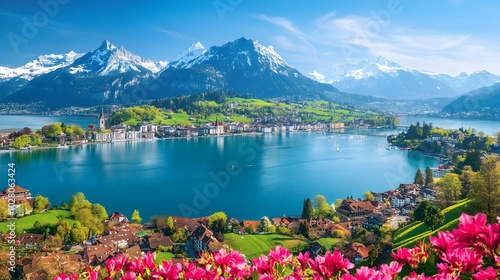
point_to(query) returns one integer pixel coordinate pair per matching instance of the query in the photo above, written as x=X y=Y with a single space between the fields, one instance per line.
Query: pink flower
x=135 y=266
x=488 y=274
x=191 y=271
x=302 y=258
x=129 y=275
x=392 y=269
x=168 y=270
x=463 y=260
x=63 y=276
x=280 y=255
x=444 y=240
x=262 y=264
x=404 y=256
x=330 y=264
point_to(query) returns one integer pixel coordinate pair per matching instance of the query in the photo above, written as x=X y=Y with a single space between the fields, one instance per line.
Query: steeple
x=102 y=120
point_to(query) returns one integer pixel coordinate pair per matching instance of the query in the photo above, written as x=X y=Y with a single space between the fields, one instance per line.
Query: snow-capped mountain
x=108 y=74
x=14 y=79
x=243 y=66
x=189 y=54
x=384 y=78
x=113 y=75
x=109 y=59
x=464 y=82
x=44 y=64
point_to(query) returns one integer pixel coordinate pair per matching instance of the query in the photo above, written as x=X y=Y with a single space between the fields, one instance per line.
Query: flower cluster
x=471 y=250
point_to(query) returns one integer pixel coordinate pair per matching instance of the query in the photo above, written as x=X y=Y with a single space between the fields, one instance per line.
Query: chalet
x=375 y=221
x=318 y=227
x=254 y=223
x=203 y=239
x=30 y=240
x=134 y=252
x=121 y=238
x=333 y=227
x=186 y=223
x=98 y=254
x=41 y=264
x=358 y=209
x=118 y=218
x=159 y=239
x=280 y=222
x=148 y=131
x=20 y=198
x=356 y=252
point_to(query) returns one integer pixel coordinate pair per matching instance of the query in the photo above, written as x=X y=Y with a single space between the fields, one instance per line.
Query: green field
x=417 y=231
x=163 y=256
x=254 y=245
x=50 y=217
x=329 y=242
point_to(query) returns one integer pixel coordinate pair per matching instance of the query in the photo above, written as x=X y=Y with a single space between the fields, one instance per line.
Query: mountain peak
x=195 y=50
x=106 y=45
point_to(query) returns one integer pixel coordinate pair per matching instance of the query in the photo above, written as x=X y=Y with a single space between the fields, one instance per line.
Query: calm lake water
x=245 y=176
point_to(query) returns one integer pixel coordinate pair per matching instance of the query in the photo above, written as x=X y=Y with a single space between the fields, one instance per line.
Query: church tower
x=102 y=120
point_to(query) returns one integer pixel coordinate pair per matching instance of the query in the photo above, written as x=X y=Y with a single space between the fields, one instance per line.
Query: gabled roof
x=158 y=239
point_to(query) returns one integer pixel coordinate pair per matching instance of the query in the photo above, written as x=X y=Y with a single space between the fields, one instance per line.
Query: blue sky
x=447 y=36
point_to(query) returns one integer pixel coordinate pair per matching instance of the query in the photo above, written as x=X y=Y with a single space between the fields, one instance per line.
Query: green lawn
x=417 y=231
x=330 y=242
x=163 y=256
x=50 y=217
x=254 y=245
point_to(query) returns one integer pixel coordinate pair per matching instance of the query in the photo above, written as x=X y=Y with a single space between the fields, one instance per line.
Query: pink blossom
x=392 y=269
x=280 y=255
x=488 y=274
x=330 y=264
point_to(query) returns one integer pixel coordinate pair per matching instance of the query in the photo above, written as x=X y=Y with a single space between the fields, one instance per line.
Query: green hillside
x=417 y=231
x=50 y=217
x=254 y=245
x=206 y=107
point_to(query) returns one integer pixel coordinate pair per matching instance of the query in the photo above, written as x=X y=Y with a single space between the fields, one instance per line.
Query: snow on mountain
x=44 y=64
x=384 y=78
x=182 y=59
x=465 y=82
x=243 y=53
x=109 y=59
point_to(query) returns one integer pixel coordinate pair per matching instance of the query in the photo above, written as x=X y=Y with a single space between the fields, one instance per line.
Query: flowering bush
x=471 y=251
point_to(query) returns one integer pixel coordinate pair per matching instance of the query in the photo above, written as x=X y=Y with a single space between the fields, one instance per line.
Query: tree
x=63 y=230
x=21 y=141
x=78 y=234
x=419 y=178
x=466 y=179
x=36 y=140
x=498 y=137
x=250 y=229
x=369 y=196
x=449 y=188
x=265 y=224
x=135 y=217
x=40 y=203
x=307 y=209
x=485 y=191
x=4 y=210
x=77 y=202
x=429 y=213
x=170 y=227
x=52 y=130
x=429 y=178
x=217 y=222
x=322 y=206
x=433 y=217
x=99 y=211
